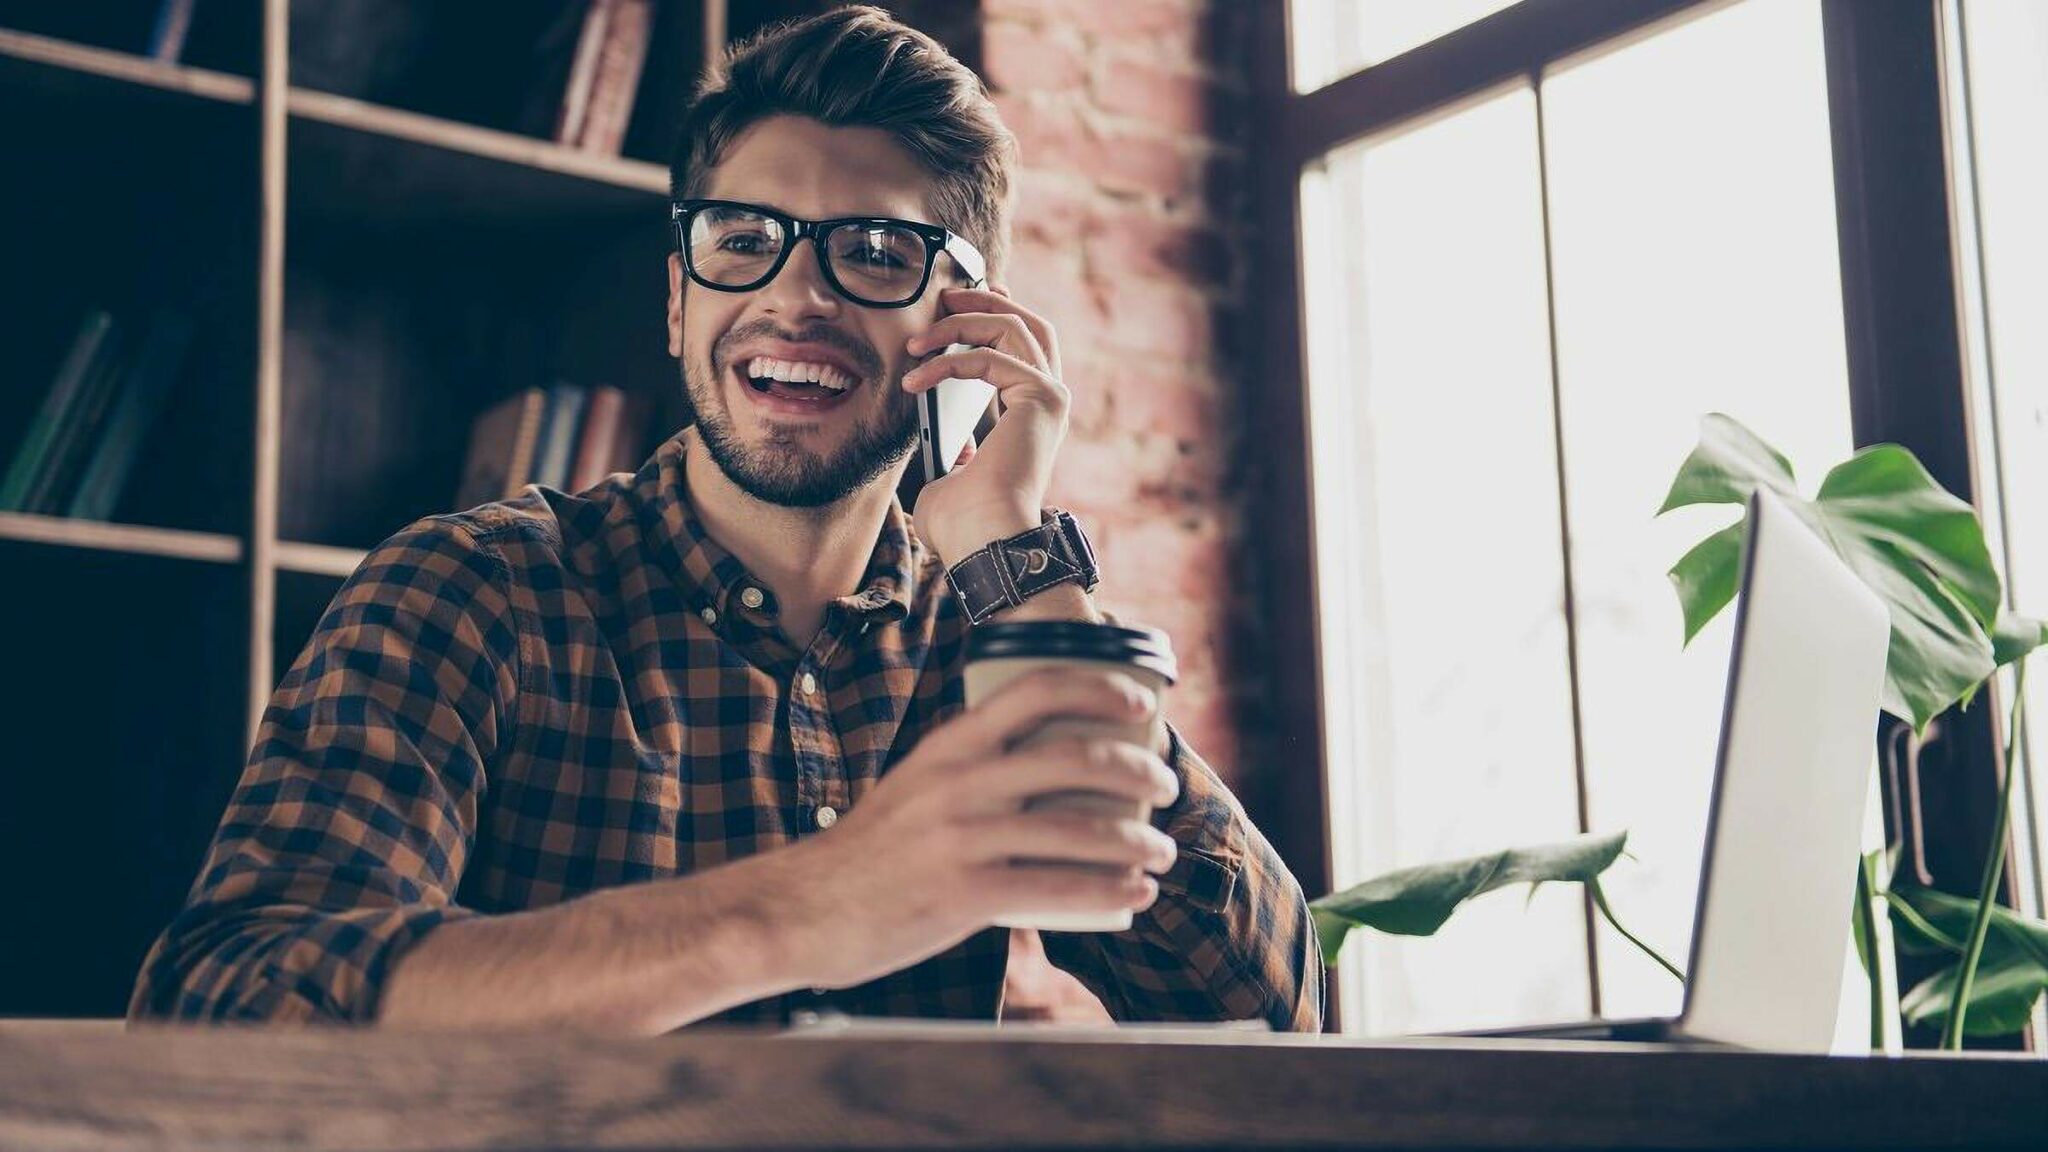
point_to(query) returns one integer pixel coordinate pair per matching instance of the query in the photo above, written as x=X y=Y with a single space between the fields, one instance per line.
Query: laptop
x=1778 y=877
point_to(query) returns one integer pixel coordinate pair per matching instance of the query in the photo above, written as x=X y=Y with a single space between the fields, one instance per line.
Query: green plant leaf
x=1951 y=915
x=1916 y=545
x=1728 y=464
x=1913 y=934
x=2001 y=997
x=2012 y=974
x=1938 y=653
x=1706 y=578
x=1884 y=494
x=1416 y=901
x=2016 y=637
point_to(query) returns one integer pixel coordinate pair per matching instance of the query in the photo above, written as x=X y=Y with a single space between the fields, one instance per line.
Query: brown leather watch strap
x=1009 y=572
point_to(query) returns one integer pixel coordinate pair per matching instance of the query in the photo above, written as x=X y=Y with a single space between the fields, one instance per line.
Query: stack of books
x=567 y=437
x=81 y=444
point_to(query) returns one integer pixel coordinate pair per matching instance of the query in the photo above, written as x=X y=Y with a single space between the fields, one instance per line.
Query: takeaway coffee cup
x=999 y=653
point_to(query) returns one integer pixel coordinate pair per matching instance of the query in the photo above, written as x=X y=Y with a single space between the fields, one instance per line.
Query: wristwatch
x=1009 y=572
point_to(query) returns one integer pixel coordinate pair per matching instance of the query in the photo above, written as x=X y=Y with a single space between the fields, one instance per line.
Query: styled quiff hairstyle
x=859 y=66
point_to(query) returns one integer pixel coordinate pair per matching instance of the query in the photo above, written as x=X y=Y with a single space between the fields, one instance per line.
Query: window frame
x=1902 y=309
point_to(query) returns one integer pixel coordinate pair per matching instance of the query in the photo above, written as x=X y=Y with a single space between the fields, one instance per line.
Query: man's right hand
x=930 y=856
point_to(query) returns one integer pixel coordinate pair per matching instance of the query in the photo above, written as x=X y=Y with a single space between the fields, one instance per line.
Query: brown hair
x=859 y=66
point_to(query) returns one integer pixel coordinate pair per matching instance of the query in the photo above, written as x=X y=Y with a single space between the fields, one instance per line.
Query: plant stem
x=1994 y=865
x=1600 y=902
x=1866 y=928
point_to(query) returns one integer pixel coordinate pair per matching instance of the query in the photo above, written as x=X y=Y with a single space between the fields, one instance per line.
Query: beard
x=781 y=467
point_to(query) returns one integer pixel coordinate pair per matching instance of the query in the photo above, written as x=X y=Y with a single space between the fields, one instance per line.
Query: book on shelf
x=173 y=23
x=77 y=454
x=501 y=446
x=82 y=420
x=574 y=107
x=559 y=425
x=142 y=398
x=566 y=436
x=603 y=439
x=620 y=62
x=26 y=465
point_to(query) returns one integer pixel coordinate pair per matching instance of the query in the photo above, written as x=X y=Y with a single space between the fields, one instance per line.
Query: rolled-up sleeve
x=1230 y=936
x=345 y=840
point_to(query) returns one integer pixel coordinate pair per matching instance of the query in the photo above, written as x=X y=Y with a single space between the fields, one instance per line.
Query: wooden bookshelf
x=75 y=65
x=367 y=277
x=138 y=539
x=317 y=559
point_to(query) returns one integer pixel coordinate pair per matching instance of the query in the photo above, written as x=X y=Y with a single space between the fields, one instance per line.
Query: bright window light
x=1695 y=269
x=1334 y=38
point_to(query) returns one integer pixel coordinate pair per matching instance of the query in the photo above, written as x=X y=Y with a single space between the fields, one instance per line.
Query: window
x=1998 y=76
x=1516 y=311
x=1334 y=38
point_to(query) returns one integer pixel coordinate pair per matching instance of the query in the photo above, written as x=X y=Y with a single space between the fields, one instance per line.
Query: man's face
x=792 y=449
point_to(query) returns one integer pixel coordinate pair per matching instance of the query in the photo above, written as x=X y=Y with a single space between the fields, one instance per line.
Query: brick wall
x=1130 y=237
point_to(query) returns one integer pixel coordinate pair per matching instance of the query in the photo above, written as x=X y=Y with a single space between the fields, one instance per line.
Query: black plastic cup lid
x=1074 y=640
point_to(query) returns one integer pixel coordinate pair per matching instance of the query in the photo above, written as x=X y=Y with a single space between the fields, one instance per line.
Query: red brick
x=1181 y=406
x=1171 y=101
x=1028 y=58
x=1140 y=243
x=1104 y=18
x=1166 y=320
x=1095 y=474
x=1054 y=212
x=1056 y=288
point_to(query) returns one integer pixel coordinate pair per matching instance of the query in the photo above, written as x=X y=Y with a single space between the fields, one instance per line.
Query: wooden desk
x=66 y=1088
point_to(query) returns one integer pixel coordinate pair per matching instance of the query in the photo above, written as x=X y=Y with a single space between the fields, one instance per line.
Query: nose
x=800 y=291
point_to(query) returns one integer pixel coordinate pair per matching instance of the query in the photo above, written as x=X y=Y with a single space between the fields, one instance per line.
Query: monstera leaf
x=2011 y=975
x=1417 y=901
x=1916 y=545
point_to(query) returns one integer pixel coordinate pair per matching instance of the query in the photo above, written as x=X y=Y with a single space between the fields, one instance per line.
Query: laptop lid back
x=1798 y=741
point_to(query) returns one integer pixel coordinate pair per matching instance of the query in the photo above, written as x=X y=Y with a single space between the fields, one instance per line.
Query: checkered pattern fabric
x=508 y=707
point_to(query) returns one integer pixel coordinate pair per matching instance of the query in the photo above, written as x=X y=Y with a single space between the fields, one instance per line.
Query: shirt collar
x=714 y=578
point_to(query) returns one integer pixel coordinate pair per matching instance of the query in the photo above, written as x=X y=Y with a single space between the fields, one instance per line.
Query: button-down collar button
x=710 y=615
x=809 y=684
x=827 y=816
x=751 y=597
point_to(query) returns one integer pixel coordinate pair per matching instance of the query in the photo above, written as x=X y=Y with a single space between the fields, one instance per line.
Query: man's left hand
x=1001 y=491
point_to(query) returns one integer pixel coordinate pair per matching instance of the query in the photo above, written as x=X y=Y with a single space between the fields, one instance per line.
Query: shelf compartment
x=125 y=736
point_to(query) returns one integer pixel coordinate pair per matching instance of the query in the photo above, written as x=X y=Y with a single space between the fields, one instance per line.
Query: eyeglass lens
x=736 y=248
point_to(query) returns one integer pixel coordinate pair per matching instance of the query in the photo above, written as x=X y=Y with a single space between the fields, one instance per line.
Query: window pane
x=1443 y=643
x=1696 y=270
x=1334 y=38
x=2007 y=65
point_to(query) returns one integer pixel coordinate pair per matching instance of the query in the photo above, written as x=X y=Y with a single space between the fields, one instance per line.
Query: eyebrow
x=826 y=216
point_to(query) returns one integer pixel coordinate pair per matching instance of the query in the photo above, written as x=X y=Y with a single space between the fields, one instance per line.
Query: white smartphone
x=949 y=415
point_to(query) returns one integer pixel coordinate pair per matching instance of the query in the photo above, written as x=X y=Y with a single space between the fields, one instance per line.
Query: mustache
x=859 y=351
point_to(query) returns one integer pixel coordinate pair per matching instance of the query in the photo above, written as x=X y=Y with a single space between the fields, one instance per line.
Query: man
x=690 y=746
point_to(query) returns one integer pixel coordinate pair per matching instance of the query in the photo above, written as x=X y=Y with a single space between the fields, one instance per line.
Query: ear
x=675 y=305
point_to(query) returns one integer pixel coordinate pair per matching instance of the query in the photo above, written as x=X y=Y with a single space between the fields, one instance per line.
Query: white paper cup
x=999 y=653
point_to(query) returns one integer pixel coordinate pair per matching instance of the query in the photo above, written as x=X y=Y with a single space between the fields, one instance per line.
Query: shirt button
x=827 y=816
x=751 y=597
x=809 y=684
x=710 y=615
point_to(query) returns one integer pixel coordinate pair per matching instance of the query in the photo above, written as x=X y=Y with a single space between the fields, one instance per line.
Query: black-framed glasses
x=877 y=261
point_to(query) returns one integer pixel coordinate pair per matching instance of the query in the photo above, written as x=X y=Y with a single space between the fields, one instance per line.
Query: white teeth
x=796 y=372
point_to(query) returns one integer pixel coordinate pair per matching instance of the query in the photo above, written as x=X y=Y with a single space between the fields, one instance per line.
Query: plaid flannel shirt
x=508 y=707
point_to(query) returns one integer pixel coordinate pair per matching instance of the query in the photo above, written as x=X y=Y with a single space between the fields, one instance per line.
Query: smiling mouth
x=797 y=381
